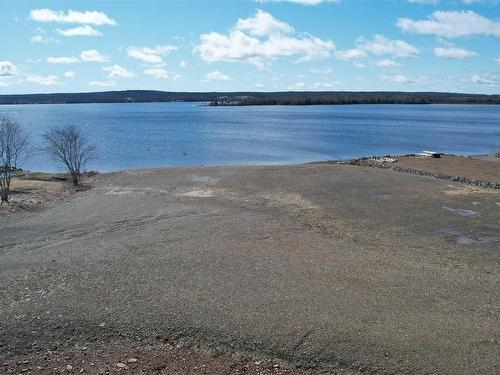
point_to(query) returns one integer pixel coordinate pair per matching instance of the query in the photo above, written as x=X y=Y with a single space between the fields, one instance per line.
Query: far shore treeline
x=253 y=98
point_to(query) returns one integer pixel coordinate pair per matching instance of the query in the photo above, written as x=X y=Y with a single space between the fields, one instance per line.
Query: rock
x=69 y=368
x=132 y=360
x=121 y=365
x=258 y=363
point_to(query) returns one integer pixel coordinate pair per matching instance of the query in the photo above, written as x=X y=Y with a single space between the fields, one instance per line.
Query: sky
x=250 y=45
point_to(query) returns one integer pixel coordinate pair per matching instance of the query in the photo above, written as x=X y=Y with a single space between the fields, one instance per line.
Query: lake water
x=137 y=135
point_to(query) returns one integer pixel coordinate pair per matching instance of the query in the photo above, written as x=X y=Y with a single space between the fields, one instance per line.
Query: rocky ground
x=158 y=359
x=304 y=268
x=480 y=171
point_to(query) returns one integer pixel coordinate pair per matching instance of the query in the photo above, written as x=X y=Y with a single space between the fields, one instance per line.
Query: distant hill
x=254 y=98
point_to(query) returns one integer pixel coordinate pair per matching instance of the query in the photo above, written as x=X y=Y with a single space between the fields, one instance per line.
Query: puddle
x=200 y=178
x=497 y=203
x=125 y=190
x=384 y=197
x=475 y=203
x=461 y=212
x=459 y=237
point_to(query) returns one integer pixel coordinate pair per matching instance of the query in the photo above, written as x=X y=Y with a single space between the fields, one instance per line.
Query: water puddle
x=384 y=197
x=459 y=237
x=200 y=178
x=461 y=212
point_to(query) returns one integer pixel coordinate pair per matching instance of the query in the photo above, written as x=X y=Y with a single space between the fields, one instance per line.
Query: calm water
x=181 y=134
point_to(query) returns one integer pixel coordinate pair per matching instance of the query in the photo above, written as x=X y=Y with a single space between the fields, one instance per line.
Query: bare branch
x=69 y=147
x=14 y=146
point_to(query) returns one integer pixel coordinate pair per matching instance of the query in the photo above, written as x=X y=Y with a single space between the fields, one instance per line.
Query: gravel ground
x=332 y=267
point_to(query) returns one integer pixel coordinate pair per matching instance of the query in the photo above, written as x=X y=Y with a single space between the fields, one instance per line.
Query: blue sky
x=249 y=45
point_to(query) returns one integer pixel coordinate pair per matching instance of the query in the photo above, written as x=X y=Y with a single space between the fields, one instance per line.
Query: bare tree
x=69 y=147
x=14 y=146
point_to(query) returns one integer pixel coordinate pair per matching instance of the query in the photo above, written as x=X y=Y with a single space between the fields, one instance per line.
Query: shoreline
x=38 y=190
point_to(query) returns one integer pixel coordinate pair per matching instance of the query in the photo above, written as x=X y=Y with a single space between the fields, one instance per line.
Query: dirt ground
x=468 y=167
x=326 y=267
x=159 y=359
x=32 y=191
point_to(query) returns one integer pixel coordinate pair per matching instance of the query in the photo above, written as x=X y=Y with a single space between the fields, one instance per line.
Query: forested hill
x=254 y=98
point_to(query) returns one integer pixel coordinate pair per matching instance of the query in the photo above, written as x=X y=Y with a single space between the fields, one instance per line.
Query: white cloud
x=262 y=24
x=70 y=74
x=117 y=71
x=150 y=55
x=260 y=86
x=238 y=46
x=71 y=16
x=451 y=24
x=157 y=72
x=482 y=79
x=43 y=39
x=62 y=60
x=183 y=64
x=320 y=70
x=49 y=80
x=302 y=2
x=8 y=72
x=423 y=1
x=402 y=79
x=387 y=63
x=380 y=45
x=217 y=76
x=497 y=61
x=297 y=86
x=84 y=30
x=453 y=52
x=102 y=83
x=325 y=85
x=348 y=54
x=8 y=69
x=93 y=55
x=162 y=73
x=315 y=85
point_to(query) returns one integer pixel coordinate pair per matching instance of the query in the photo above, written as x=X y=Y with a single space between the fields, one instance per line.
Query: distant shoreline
x=253 y=98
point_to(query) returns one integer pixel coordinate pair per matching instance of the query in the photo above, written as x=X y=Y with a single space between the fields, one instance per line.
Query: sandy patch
x=468 y=190
x=280 y=199
x=198 y=193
